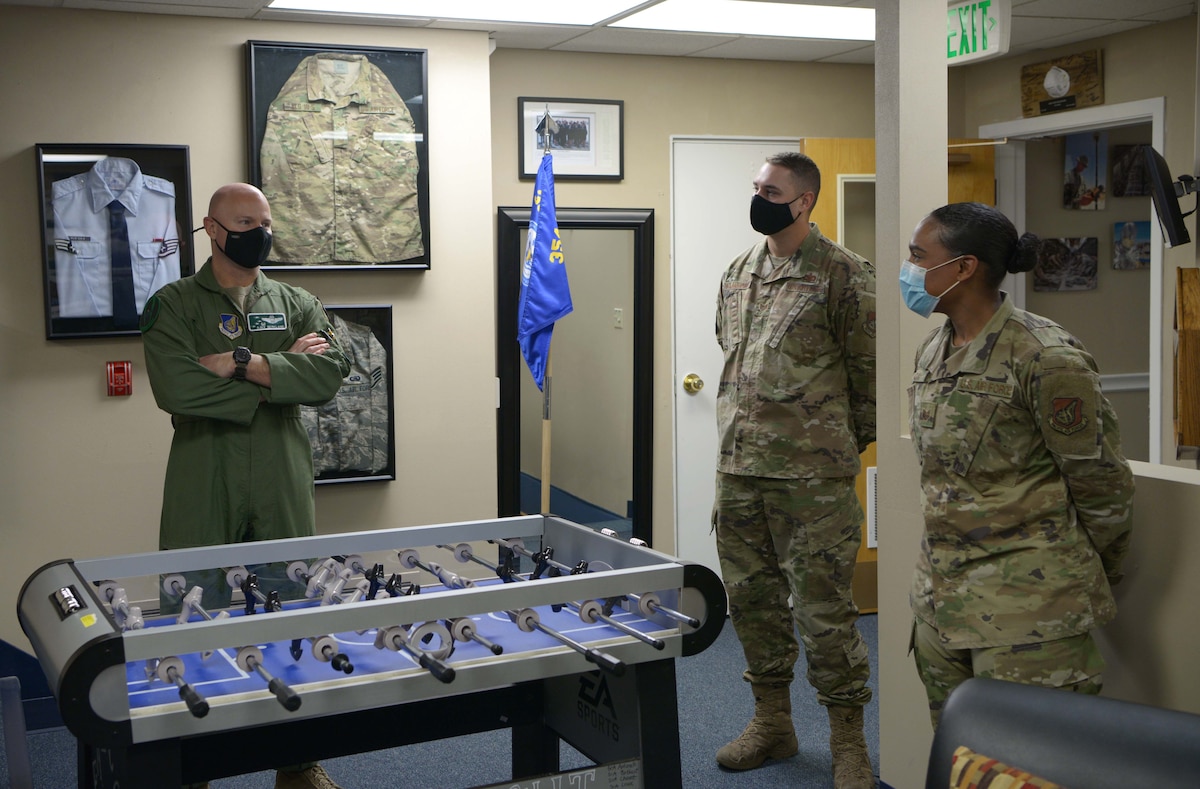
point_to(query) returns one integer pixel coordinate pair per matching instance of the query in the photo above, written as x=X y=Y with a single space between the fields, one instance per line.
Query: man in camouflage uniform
x=339 y=165
x=795 y=407
x=1027 y=498
x=349 y=434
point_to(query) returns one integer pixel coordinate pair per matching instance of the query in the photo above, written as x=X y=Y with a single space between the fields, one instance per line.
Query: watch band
x=239 y=368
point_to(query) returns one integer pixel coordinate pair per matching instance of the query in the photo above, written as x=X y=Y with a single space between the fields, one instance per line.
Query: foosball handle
x=194 y=701
x=287 y=697
x=438 y=669
x=342 y=663
x=605 y=661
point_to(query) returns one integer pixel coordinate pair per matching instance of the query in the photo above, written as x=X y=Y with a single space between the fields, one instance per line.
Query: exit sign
x=977 y=30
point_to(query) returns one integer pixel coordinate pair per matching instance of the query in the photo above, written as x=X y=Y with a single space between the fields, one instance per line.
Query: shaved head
x=232 y=193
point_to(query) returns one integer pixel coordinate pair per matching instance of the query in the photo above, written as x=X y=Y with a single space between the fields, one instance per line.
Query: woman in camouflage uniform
x=1026 y=495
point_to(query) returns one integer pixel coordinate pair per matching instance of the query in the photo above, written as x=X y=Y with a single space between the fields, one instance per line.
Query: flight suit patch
x=266 y=321
x=230 y=326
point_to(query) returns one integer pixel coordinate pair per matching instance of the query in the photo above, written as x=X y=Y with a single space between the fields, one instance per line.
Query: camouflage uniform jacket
x=339 y=165
x=350 y=432
x=1027 y=498
x=797 y=392
x=240 y=466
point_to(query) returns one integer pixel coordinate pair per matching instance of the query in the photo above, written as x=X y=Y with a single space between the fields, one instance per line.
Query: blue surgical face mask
x=912 y=287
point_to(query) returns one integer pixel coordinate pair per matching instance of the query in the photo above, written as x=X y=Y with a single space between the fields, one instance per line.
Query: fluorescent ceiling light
x=524 y=11
x=743 y=17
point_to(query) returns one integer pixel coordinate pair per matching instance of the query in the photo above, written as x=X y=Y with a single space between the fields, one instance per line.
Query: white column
x=911 y=133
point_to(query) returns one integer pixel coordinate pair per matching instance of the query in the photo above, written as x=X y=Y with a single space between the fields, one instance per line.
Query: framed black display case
x=115 y=228
x=338 y=142
x=353 y=436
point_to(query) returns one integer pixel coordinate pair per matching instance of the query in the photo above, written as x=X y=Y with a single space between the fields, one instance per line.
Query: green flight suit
x=240 y=466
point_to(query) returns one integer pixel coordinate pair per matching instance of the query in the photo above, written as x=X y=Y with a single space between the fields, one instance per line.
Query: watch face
x=241 y=355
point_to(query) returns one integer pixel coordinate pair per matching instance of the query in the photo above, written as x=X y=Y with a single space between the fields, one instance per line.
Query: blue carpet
x=714 y=705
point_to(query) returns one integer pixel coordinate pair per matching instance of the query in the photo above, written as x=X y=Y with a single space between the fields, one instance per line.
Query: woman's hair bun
x=1025 y=254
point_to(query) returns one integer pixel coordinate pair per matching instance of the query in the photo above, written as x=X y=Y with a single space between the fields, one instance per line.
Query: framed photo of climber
x=352 y=435
x=338 y=142
x=115 y=228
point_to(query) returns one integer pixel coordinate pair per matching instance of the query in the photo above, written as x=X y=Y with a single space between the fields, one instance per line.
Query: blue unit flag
x=545 y=294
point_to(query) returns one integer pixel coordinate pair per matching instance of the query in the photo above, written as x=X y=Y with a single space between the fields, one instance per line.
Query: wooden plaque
x=1066 y=83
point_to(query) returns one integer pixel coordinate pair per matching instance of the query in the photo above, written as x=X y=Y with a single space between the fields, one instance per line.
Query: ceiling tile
x=641 y=42
x=789 y=49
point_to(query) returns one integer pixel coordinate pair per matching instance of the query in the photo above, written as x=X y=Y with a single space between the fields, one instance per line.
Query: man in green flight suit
x=231 y=355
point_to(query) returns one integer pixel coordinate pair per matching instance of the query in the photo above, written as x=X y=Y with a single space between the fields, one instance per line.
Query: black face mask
x=249 y=248
x=769 y=218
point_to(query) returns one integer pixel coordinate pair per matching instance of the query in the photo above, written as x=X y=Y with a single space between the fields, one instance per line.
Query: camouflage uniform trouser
x=798 y=537
x=1073 y=663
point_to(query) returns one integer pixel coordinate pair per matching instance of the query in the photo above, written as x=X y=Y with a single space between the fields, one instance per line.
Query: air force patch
x=230 y=325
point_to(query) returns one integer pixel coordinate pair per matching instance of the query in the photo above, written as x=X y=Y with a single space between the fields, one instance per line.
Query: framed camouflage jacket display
x=351 y=435
x=338 y=144
x=114 y=230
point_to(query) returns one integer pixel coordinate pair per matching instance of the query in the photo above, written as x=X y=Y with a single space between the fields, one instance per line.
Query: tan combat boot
x=851 y=763
x=769 y=735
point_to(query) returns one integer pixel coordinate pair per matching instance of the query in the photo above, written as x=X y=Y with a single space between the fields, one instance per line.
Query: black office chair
x=16 y=744
x=1075 y=740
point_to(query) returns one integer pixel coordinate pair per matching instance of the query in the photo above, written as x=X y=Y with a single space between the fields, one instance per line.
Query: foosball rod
x=410 y=559
x=591 y=612
x=652 y=603
x=463 y=629
x=396 y=638
x=249 y=659
x=545 y=555
x=170 y=669
x=527 y=619
x=247 y=582
x=128 y=617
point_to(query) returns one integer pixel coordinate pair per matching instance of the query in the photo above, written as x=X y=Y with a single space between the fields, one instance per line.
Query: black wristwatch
x=241 y=358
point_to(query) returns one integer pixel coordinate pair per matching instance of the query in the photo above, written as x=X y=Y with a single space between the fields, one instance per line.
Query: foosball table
x=387 y=638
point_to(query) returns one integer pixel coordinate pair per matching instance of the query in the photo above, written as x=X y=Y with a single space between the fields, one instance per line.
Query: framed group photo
x=338 y=142
x=115 y=228
x=352 y=436
x=585 y=136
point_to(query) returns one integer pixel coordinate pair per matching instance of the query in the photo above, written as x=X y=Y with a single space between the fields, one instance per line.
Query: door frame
x=1010 y=199
x=510 y=221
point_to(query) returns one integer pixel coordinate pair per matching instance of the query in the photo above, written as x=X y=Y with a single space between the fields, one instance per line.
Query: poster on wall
x=1129 y=178
x=115 y=229
x=352 y=435
x=1131 y=246
x=338 y=141
x=1085 y=166
x=1066 y=264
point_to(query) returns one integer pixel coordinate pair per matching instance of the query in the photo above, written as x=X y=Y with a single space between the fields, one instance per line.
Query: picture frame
x=353 y=436
x=589 y=144
x=369 y=158
x=152 y=183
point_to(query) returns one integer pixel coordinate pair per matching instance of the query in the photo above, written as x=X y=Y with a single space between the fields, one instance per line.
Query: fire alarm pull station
x=120 y=379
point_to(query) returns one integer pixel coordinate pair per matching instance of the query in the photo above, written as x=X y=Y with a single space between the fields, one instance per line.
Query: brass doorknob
x=692 y=383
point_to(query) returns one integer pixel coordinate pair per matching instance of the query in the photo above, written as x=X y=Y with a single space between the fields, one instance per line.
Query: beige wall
x=83 y=472
x=663 y=97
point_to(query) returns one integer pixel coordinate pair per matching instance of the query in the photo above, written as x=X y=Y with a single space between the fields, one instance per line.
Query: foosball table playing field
x=379 y=639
